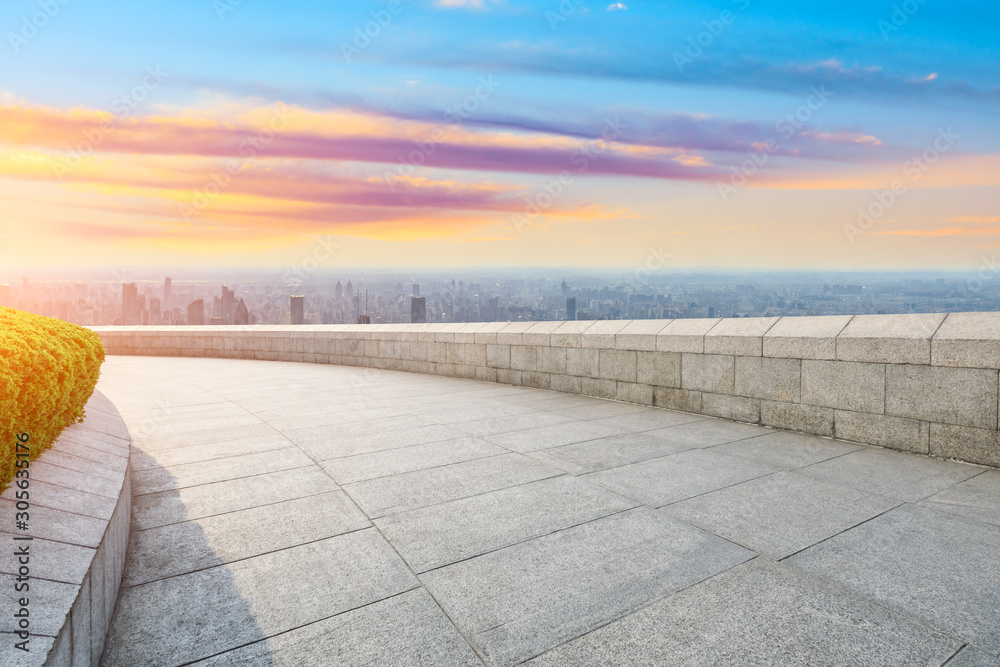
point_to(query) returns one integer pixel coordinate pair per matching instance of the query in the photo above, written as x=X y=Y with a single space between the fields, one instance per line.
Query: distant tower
x=4 y=294
x=196 y=313
x=418 y=309
x=241 y=314
x=571 y=308
x=339 y=291
x=298 y=309
x=168 y=286
x=228 y=304
x=349 y=292
x=130 y=304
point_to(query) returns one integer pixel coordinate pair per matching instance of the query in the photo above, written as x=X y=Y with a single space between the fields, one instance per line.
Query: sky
x=736 y=133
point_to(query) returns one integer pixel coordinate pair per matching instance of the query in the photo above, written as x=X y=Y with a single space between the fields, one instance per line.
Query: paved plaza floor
x=299 y=514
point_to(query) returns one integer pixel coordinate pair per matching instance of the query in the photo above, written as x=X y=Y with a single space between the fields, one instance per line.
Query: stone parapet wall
x=79 y=507
x=925 y=383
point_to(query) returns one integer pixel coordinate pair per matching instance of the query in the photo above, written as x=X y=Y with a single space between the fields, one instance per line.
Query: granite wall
x=923 y=383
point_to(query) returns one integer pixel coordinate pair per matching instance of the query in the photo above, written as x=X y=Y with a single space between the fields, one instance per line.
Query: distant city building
x=167 y=290
x=339 y=291
x=418 y=309
x=228 y=304
x=571 y=308
x=298 y=309
x=154 y=311
x=196 y=313
x=349 y=291
x=364 y=319
x=130 y=304
x=241 y=314
x=4 y=294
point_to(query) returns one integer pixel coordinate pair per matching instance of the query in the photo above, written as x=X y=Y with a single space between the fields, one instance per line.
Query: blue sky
x=896 y=74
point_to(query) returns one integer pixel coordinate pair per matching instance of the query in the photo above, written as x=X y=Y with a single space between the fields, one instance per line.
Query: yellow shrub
x=48 y=371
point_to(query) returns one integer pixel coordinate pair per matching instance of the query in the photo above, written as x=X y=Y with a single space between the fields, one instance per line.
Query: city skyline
x=500 y=133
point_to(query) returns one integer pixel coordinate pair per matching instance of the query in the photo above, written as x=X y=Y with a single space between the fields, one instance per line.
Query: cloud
x=616 y=6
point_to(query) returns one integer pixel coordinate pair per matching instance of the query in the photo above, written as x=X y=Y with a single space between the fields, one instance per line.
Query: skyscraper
x=4 y=294
x=339 y=291
x=196 y=313
x=130 y=304
x=418 y=309
x=571 y=308
x=241 y=315
x=167 y=289
x=349 y=291
x=298 y=309
x=228 y=304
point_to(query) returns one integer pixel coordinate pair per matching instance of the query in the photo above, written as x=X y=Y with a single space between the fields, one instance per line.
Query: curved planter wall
x=80 y=506
x=921 y=383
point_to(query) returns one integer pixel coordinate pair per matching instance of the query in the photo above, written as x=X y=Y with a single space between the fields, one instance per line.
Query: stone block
x=773 y=379
x=569 y=334
x=475 y=355
x=961 y=396
x=618 y=365
x=487 y=335
x=805 y=337
x=630 y=392
x=598 y=388
x=454 y=353
x=974 y=445
x=892 y=339
x=535 y=379
x=677 y=399
x=539 y=333
x=507 y=376
x=640 y=334
x=551 y=360
x=908 y=435
x=685 y=335
x=567 y=383
x=511 y=334
x=742 y=336
x=708 y=372
x=970 y=340
x=498 y=356
x=486 y=374
x=844 y=385
x=738 y=408
x=583 y=362
x=522 y=357
x=662 y=369
x=804 y=418
x=601 y=334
